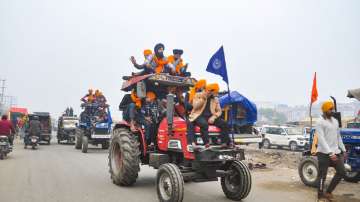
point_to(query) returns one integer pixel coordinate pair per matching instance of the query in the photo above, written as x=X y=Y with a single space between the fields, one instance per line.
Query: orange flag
x=314 y=92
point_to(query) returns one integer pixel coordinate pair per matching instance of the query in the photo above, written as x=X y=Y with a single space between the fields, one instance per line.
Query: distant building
x=301 y=113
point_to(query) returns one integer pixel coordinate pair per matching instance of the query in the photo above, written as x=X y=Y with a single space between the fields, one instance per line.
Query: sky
x=52 y=52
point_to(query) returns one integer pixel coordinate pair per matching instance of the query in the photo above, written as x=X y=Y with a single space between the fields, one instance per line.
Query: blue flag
x=217 y=65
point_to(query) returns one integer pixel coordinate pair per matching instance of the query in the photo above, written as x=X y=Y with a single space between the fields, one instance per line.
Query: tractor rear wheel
x=169 y=183
x=124 y=157
x=237 y=184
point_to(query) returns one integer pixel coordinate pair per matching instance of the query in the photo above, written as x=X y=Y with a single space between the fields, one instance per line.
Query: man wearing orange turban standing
x=330 y=150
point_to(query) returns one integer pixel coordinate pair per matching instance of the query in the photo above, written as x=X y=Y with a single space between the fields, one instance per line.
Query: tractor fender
x=124 y=124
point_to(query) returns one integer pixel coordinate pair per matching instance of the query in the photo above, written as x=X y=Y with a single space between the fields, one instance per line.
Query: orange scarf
x=160 y=64
x=135 y=99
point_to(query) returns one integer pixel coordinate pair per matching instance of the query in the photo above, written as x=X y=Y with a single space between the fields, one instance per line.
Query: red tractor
x=175 y=160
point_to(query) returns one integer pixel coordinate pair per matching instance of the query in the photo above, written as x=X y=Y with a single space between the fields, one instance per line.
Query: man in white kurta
x=330 y=150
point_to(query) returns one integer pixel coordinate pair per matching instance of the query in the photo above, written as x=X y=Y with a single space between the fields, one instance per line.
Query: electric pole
x=2 y=90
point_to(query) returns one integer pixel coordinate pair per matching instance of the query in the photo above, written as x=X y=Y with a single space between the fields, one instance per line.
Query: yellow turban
x=147 y=52
x=327 y=106
x=213 y=87
x=151 y=95
x=200 y=84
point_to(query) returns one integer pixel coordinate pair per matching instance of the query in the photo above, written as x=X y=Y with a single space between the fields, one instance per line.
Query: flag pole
x=310 y=115
x=230 y=117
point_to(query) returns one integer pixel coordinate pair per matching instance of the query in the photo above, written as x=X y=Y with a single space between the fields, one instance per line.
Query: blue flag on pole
x=217 y=65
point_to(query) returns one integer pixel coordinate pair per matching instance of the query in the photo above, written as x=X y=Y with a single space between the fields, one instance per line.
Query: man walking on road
x=7 y=128
x=330 y=150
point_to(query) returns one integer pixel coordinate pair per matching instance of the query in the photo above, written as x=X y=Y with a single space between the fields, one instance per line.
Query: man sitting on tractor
x=100 y=98
x=206 y=110
x=148 y=65
x=189 y=97
x=88 y=98
x=150 y=113
x=160 y=59
x=176 y=65
x=133 y=110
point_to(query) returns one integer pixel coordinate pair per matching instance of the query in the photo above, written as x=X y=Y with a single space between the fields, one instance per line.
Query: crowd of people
x=68 y=112
x=199 y=106
x=157 y=62
x=95 y=106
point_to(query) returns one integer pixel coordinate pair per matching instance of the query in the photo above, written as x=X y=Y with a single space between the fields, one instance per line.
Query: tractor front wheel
x=309 y=171
x=169 y=183
x=85 y=144
x=352 y=177
x=236 y=185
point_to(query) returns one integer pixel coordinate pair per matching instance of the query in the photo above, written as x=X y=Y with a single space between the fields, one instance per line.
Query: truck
x=67 y=128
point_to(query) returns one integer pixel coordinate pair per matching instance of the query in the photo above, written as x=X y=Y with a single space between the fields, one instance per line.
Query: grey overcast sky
x=51 y=52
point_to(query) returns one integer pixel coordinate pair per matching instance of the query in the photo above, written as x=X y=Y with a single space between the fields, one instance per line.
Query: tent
x=249 y=107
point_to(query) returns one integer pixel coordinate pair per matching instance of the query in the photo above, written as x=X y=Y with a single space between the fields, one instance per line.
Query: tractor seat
x=212 y=130
x=214 y=133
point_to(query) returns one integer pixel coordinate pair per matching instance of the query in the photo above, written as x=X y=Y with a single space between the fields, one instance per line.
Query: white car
x=283 y=136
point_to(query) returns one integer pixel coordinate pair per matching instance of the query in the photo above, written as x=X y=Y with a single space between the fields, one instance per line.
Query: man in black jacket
x=34 y=129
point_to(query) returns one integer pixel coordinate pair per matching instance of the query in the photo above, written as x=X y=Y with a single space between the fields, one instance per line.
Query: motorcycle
x=5 y=147
x=33 y=141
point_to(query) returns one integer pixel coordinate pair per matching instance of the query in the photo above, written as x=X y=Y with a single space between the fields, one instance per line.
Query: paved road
x=59 y=173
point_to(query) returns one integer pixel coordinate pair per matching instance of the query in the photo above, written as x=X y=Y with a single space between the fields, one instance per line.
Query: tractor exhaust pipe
x=336 y=114
x=170 y=112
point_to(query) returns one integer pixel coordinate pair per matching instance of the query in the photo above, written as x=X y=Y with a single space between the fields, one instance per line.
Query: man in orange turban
x=330 y=150
x=198 y=88
x=148 y=65
x=206 y=110
x=133 y=110
x=89 y=98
